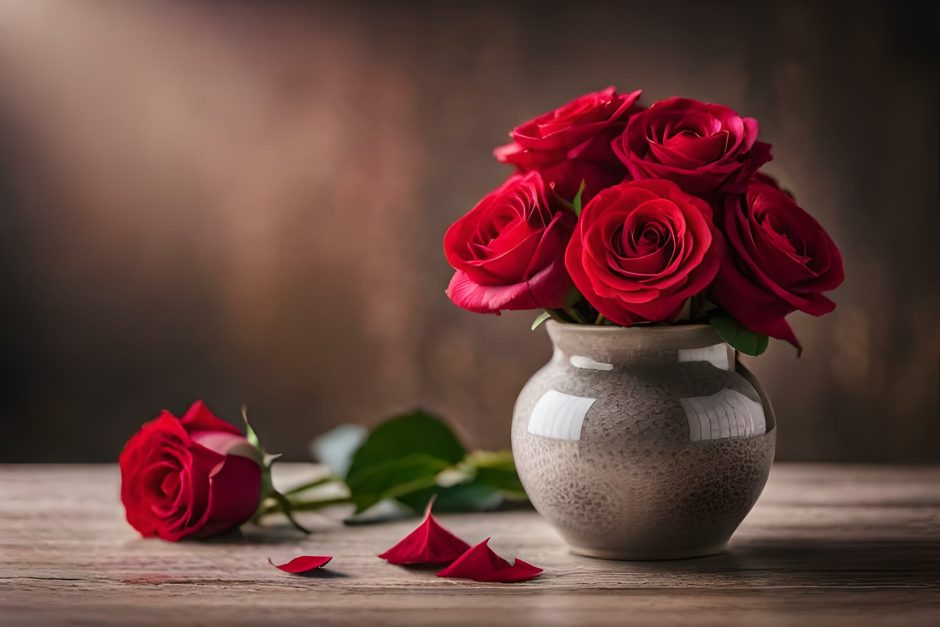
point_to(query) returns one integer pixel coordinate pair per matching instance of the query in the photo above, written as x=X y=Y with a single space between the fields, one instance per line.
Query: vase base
x=654 y=555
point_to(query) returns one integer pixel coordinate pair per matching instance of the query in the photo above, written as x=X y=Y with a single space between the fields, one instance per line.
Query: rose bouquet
x=620 y=214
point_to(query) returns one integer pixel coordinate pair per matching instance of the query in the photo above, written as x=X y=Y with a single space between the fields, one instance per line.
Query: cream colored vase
x=643 y=443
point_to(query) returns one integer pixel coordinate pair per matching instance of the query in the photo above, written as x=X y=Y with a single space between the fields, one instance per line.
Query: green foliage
x=496 y=469
x=414 y=456
x=393 y=478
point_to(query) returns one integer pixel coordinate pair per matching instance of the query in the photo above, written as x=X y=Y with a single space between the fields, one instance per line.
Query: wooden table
x=826 y=545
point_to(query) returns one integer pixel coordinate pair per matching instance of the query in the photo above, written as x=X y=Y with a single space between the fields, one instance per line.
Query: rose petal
x=303 y=563
x=200 y=418
x=429 y=543
x=481 y=563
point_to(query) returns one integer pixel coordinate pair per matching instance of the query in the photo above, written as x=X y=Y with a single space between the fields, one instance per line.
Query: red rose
x=572 y=143
x=641 y=249
x=779 y=260
x=702 y=147
x=195 y=476
x=508 y=251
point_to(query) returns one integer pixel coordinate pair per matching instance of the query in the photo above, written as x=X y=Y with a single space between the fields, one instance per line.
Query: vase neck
x=603 y=348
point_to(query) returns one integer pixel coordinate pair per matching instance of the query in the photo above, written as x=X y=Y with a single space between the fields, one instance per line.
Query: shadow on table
x=819 y=562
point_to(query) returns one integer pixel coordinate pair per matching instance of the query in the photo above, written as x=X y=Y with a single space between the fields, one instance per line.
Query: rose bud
x=194 y=476
x=641 y=249
x=572 y=143
x=702 y=147
x=779 y=260
x=508 y=251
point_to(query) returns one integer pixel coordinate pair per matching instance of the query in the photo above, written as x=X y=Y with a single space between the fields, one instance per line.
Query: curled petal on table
x=429 y=543
x=481 y=563
x=303 y=564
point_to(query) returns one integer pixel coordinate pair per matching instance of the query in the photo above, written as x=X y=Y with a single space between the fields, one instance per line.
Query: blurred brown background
x=245 y=202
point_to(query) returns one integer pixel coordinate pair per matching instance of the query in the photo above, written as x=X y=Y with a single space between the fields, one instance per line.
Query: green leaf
x=402 y=455
x=491 y=476
x=542 y=317
x=412 y=457
x=496 y=469
x=576 y=203
x=473 y=496
x=737 y=335
x=572 y=297
x=393 y=478
x=408 y=434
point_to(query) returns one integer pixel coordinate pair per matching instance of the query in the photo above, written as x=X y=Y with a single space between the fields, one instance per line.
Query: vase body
x=643 y=442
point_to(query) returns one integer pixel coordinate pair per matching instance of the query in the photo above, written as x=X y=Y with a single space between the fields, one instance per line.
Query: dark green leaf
x=473 y=496
x=393 y=478
x=572 y=297
x=737 y=335
x=416 y=433
x=496 y=469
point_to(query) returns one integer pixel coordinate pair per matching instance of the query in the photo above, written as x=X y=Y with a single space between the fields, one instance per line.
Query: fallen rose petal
x=519 y=571
x=429 y=543
x=303 y=564
x=481 y=563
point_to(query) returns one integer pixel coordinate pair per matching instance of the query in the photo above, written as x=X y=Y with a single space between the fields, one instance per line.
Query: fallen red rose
x=481 y=563
x=303 y=564
x=429 y=543
x=194 y=476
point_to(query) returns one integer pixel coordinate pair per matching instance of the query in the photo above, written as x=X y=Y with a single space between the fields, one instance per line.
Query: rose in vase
x=702 y=147
x=779 y=260
x=508 y=251
x=641 y=249
x=571 y=144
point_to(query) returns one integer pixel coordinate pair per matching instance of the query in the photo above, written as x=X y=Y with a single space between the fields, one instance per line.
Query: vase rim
x=666 y=328
x=604 y=339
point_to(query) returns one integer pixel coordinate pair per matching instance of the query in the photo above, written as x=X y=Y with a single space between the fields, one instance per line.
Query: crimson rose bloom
x=702 y=147
x=195 y=476
x=508 y=251
x=641 y=249
x=779 y=260
x=572 y=143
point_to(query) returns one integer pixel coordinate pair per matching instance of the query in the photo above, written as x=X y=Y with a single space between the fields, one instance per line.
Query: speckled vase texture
x=643 y=442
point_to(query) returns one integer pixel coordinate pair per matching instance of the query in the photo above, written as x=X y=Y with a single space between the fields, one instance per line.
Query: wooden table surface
x=826 y=545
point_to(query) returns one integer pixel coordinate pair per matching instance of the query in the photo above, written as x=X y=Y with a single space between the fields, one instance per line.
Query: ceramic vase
x=649 y=442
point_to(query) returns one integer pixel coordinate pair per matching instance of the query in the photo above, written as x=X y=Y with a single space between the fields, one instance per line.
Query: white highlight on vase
x=559 y=416
x=725 y=414
x=580 y=361
x=716 y=355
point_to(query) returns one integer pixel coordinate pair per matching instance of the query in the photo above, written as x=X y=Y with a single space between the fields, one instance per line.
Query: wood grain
x=826 y=545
